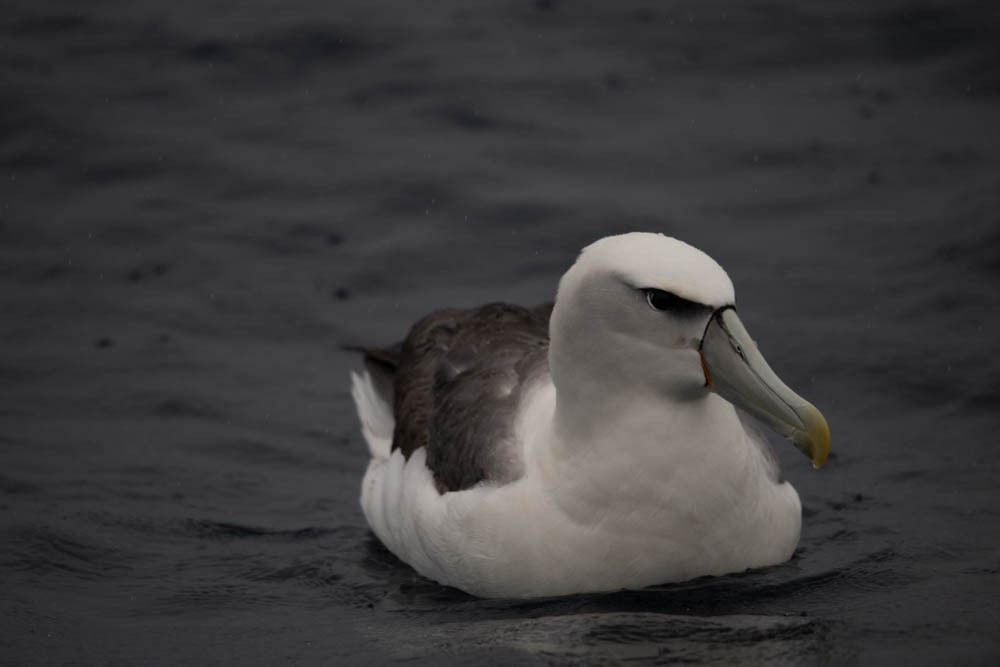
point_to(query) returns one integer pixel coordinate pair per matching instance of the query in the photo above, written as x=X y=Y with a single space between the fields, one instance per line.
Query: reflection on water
x=636 y=637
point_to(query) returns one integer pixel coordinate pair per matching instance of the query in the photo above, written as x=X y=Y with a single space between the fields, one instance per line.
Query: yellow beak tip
x=819 y=457
x=814 y=441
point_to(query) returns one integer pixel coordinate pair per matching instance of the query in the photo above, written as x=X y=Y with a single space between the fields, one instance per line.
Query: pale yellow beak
x=735 y=370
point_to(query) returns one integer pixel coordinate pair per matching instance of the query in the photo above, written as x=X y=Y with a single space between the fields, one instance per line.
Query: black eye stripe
x=663 y=300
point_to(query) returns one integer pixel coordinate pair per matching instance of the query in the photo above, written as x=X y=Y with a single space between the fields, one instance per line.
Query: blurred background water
x=200 y=201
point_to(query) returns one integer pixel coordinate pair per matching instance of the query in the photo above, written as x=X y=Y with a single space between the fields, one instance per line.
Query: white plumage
x=635 y=473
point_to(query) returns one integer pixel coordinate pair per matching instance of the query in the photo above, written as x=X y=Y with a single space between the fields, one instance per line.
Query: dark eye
x=659 y=299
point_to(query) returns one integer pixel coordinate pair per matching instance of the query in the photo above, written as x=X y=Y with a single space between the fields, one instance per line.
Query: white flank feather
x=377 y=422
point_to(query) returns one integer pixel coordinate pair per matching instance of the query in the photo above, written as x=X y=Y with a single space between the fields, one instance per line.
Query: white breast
x=584 y=517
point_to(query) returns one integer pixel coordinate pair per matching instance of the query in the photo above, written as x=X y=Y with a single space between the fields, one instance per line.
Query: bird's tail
x=375 y=413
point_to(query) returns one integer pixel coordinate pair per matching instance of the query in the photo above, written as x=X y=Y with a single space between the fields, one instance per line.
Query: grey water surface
x=200 y=202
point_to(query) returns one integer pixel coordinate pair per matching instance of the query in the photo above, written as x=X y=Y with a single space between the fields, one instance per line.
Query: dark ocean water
x=201 y=201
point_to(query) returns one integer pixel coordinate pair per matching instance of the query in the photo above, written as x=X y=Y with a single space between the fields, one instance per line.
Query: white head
x=631 y=312
x=645 y=315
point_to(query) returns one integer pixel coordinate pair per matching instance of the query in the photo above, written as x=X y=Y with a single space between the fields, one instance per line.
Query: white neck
x=628 y=479
x=644 y=445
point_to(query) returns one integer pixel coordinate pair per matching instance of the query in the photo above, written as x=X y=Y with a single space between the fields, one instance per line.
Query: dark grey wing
x=381 y=364
x=457 y=388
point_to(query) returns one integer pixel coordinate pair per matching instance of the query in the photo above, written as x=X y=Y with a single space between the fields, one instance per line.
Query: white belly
x=518 y=541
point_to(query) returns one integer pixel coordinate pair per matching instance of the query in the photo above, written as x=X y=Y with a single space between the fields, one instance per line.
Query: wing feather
x=457 y=388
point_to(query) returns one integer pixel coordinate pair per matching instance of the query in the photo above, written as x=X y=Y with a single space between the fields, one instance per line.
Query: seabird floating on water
x=589 y=445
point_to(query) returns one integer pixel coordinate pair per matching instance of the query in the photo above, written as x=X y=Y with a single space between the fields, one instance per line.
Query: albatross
x=593 y=444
